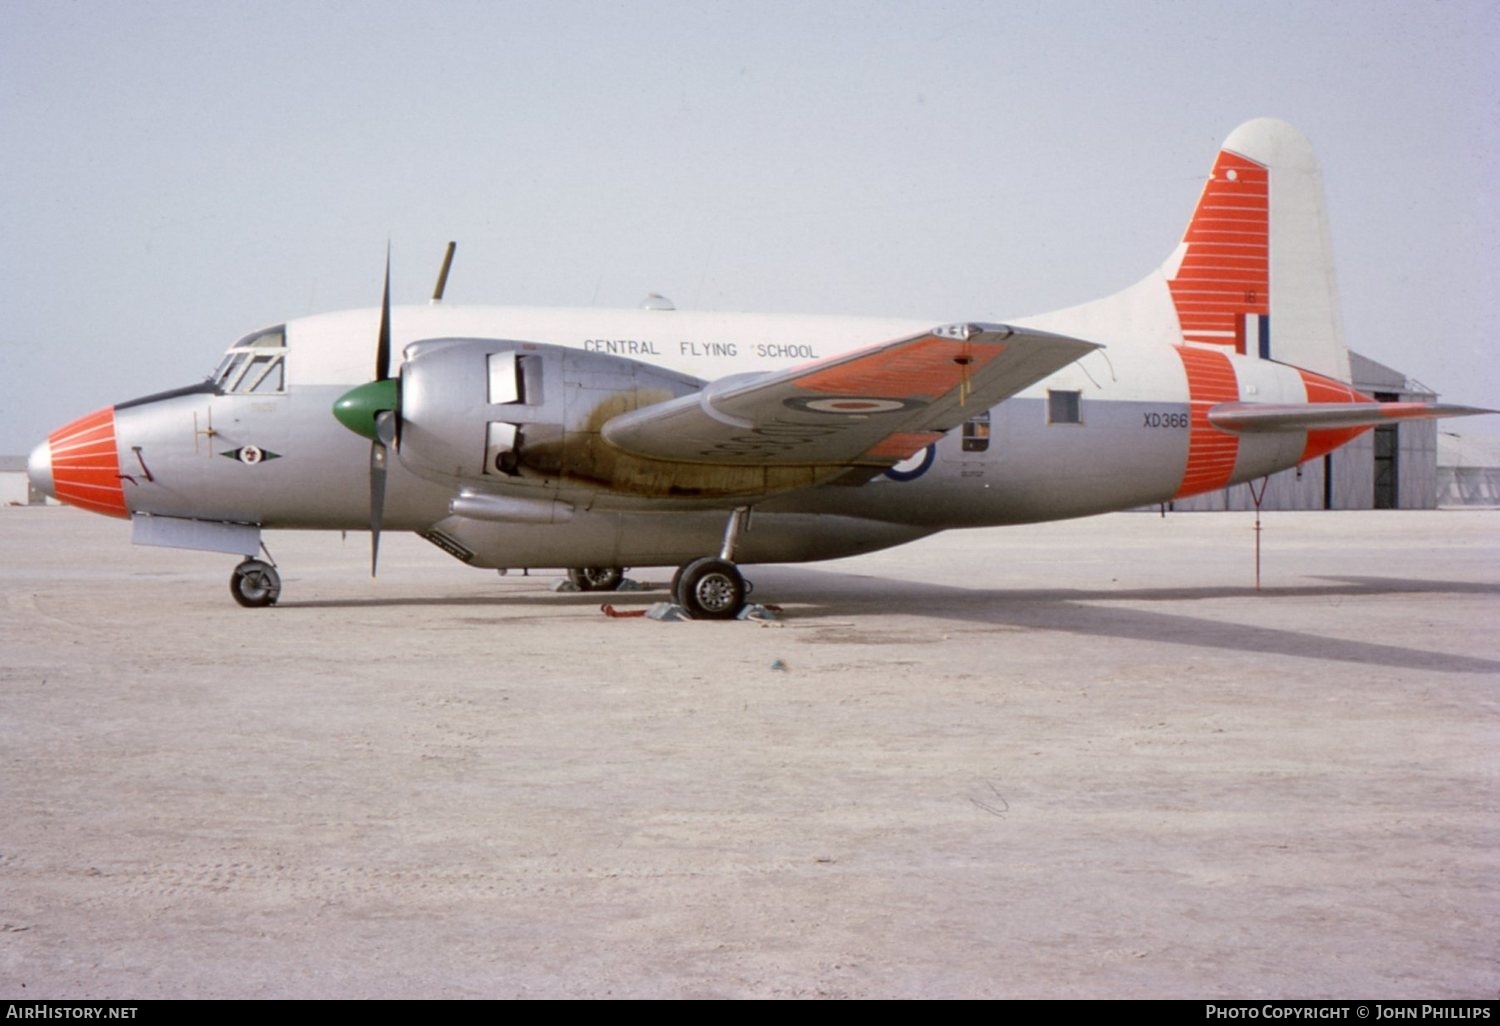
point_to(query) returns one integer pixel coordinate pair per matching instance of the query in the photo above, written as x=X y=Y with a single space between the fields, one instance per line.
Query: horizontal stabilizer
x=874 y=407
x=1250 y=418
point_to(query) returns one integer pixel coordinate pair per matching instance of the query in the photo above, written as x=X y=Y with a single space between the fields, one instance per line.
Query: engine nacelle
x=495 y=413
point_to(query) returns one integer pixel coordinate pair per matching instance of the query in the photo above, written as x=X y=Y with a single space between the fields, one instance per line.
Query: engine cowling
x=496 y=413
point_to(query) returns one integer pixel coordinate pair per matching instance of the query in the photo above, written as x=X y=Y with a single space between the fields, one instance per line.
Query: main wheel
x=710 y=589
x=597 y=578
x=255 y=583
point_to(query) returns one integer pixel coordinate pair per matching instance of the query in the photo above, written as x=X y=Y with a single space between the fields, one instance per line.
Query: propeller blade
x=377 y=501
x=370 y=410
x=383 y=346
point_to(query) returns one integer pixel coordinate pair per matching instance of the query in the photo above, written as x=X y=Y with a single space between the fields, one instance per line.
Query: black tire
x=597 y=578
x=710 y=589
x=255 y=584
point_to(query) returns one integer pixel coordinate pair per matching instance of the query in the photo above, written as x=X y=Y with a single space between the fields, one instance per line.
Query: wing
x=871 y=408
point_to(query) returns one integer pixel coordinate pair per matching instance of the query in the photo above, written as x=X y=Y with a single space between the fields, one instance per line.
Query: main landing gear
x=597 y=578
x=255 y=583
x=709 y=588
x=712 y=588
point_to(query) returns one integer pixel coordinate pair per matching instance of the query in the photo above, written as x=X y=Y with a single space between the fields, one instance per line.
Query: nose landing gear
x=255 y=583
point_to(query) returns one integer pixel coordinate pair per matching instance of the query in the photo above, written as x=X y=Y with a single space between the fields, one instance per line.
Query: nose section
x=79 y=464
x=39 y=469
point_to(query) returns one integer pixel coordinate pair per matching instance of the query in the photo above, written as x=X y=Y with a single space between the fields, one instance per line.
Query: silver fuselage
x=1126 y=443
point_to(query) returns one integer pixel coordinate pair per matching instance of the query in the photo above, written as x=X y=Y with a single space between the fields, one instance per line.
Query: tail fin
x=1253 y=272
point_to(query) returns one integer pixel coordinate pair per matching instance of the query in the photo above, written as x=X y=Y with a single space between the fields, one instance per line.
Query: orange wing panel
x=926 y=369
x=903 y=444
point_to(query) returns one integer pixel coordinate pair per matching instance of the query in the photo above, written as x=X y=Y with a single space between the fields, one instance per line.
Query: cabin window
x=976 y=436
x=255 y=365
x=1063 y=407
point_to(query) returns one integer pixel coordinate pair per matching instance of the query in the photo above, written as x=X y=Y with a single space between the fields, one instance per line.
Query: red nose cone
x=86 y=465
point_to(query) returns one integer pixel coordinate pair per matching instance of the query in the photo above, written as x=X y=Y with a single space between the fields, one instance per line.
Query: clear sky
x=176 y=174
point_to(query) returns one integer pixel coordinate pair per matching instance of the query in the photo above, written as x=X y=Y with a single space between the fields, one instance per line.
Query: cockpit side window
x=255 y=365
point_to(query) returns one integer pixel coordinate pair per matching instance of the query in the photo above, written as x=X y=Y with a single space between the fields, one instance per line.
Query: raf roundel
x=914 y=466
x=851 y=405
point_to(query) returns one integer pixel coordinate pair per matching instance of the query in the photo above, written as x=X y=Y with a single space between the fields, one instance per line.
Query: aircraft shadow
x=821 y=595
x=1074 y=610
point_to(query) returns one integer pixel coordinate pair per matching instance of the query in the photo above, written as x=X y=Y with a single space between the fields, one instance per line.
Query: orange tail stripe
x=1211 y=453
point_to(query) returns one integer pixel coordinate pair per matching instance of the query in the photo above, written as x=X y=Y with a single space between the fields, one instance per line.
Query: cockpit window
x=255 y=364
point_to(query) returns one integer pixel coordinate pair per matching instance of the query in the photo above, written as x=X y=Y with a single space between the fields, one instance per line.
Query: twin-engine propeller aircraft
x=600 y=439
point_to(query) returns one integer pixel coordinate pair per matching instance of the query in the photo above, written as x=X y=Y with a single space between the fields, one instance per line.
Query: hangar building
x=15 y=488
x=1468 y=469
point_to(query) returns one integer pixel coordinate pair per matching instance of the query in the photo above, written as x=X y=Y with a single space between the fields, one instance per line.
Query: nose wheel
x=255 y=583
